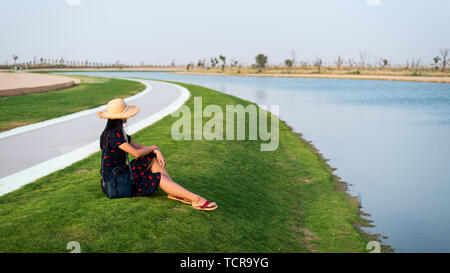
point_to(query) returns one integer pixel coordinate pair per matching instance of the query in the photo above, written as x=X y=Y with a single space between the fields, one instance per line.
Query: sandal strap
x=206 y=204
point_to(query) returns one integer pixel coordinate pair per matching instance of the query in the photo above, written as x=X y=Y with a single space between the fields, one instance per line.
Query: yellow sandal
x=182 y=200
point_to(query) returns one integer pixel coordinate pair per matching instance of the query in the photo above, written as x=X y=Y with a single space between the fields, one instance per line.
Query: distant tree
x=288 y=63
x=201 y=63
x=444 y=54
x=339 y=62
x=304 y=64
x=15 y=58
x=214 y=62
x=172 y=64
x=436 y=60
x=318 y=63
x=293 y=57
x=362 y=59
x=223 y=59
x=261 y=61
x=416 y=63
x=188 y=66
x=385 y=63
x=351 y=62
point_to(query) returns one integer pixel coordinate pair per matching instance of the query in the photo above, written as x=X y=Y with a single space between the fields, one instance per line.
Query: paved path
x=36 y=150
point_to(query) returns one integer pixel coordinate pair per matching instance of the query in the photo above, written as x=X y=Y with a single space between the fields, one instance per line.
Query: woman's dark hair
x=112 y=124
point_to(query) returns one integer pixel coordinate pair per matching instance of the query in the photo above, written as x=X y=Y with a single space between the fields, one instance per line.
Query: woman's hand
x=154 y=148
x=160 y=158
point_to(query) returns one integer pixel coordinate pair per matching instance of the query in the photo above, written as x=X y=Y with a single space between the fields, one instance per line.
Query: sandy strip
x=334 y=76
x=123 y=69
x=15 y=84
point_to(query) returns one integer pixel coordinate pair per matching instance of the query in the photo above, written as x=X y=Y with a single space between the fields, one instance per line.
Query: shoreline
x=343 y=186
x=428 y=79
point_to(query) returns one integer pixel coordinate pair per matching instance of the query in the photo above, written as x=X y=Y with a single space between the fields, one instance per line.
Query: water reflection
x=261 y=97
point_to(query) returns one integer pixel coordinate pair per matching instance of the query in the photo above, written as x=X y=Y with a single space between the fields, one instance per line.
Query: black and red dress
x=145 y=182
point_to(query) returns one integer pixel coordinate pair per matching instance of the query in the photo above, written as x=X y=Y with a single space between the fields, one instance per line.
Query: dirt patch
x=86 y=171
x=305 y=180
x=309 y=236
x=93 y=80
x=14 y=124
x=179 y=209
x=15 y=84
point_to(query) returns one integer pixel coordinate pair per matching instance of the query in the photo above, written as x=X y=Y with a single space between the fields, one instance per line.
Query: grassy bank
x=281 y=201
x=91 y=92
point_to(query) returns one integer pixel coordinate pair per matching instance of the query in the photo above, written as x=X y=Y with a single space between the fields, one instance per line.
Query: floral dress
x=145 y=182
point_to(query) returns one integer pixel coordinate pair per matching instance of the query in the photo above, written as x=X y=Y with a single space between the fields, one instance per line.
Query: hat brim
x=130 y=112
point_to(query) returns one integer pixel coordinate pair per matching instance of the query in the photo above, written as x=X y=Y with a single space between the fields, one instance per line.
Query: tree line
x=439 y=62
x=43 y=62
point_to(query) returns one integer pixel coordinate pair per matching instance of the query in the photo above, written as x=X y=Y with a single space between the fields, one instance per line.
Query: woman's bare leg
x=171 y=187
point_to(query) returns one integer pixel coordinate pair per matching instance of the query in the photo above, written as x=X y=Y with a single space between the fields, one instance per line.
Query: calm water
x=390 y=140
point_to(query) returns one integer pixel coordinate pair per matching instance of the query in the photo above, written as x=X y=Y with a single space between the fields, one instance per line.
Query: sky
x=157 y=32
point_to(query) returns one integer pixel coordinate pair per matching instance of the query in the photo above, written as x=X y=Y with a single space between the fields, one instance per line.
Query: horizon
x=158 y=33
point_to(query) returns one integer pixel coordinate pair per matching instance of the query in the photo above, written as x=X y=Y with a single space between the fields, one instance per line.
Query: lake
x=389 y=140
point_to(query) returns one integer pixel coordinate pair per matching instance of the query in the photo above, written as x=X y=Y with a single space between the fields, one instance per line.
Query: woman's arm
x=136 y=145
x=137 y=152
x=160 y=158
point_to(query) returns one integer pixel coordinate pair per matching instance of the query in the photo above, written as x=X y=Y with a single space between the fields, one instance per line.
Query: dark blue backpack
x=119 y=183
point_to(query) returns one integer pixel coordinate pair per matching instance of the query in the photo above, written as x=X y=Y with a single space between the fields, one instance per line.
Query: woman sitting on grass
x=148 y=168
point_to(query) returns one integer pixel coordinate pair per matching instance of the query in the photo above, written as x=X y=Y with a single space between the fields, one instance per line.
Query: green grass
x=282 y=201
x=92 y=92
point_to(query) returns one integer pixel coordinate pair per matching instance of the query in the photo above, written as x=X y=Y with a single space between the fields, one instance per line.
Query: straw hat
x=118 y=109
